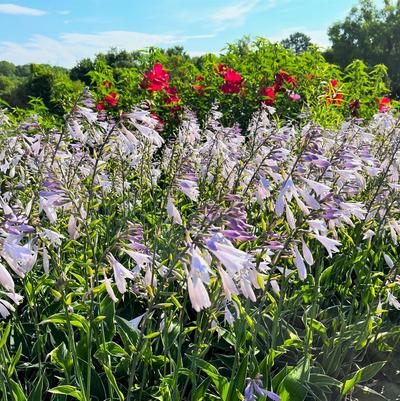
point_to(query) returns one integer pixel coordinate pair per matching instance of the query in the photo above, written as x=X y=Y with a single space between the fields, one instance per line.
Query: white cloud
x=234 y=12
x=71 y=47
x=8 y=8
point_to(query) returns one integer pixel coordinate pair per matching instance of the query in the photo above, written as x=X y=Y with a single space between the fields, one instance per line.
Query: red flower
x=156 y=79
x=334 y=82
x=337 y=98
x=233 y=81
x=269 y=95
x=199 y=89
x=384 y=104
x=200 y=78
x=111 y=99
x=100 y=106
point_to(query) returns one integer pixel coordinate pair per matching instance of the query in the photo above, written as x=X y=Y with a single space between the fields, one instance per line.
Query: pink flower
x=268 y=95
x=384 y=104
x=294 y=97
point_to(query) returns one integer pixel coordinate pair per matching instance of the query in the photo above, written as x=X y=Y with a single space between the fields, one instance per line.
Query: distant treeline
x=367 y=33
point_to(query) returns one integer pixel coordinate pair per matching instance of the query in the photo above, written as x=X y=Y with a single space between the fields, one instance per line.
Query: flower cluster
x=233 y=81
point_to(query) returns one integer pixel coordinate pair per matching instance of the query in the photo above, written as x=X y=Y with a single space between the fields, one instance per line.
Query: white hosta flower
x=121 y=273
x=290 y=218
x=320 y=189
x=199 y=267
x=234 y=260
x=141 y=259
x=197 y=293
x=299 y=263
x=368 y=234
x=388 y=260
x=173 y=212
x=54 y=237
x=307 y=255
x=46 y=262
x=246 y=288
x=228 y=284
x=5 y=308
x=329 y=244
x=109 y=289
x=393 y=301
x=5 y=279
x=20 y=258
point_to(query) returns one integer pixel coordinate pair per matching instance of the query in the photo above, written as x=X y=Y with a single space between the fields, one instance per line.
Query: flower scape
x=216 y=262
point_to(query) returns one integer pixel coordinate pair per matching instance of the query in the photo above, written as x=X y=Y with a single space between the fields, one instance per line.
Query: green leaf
x=238 y=382
x=292 y=388
x=17 y=392
x=67 y=390
x=14 y=361
x=128 y=333
x=362 y=375
x=37 y=392
x=220 y=382
x=113 y=382
x=5 y=335
x=75 y=320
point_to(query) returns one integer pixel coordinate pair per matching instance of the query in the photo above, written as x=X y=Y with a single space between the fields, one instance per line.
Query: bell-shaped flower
x=197 y=293
x=330 y=244
x=5 y=279
x=307 y=255
x=173 y=212
x=299 y=263
x=121 y=273
x=20 y=258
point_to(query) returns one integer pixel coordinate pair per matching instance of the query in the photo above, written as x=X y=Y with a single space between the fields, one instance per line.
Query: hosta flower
x=330 y=244
x=254 y=390
x=6 y=280
x=320 y=189
x=54 y=237
x=121 y=273
x=307 y=253
x=173 y=212
x=5 y=308
x=228 y=284
x=20 y=258
x=198 y=276
x=393 y=301
x=109 y=289
x=140 y=258
x=299 y=263
x=388 y=260
x=189 y=188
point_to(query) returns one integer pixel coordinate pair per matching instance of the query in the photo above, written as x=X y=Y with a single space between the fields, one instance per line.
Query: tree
x=298 y=42
x=369 y=34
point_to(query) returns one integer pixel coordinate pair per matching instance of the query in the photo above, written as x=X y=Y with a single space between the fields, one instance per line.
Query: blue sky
x=62 y=32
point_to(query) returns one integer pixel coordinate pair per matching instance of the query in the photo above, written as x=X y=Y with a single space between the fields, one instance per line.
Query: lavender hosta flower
x=73 y=228
x=299 y=263
x=20 y=258
x=290 y=218
x=173 y=212
x=280 y=202
x=121 y=273
x=394 y=228
x=254 y=390
x=330 y=244
x=307 y=255
x=6 y=280
x=189 y=188
x=320 y=189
